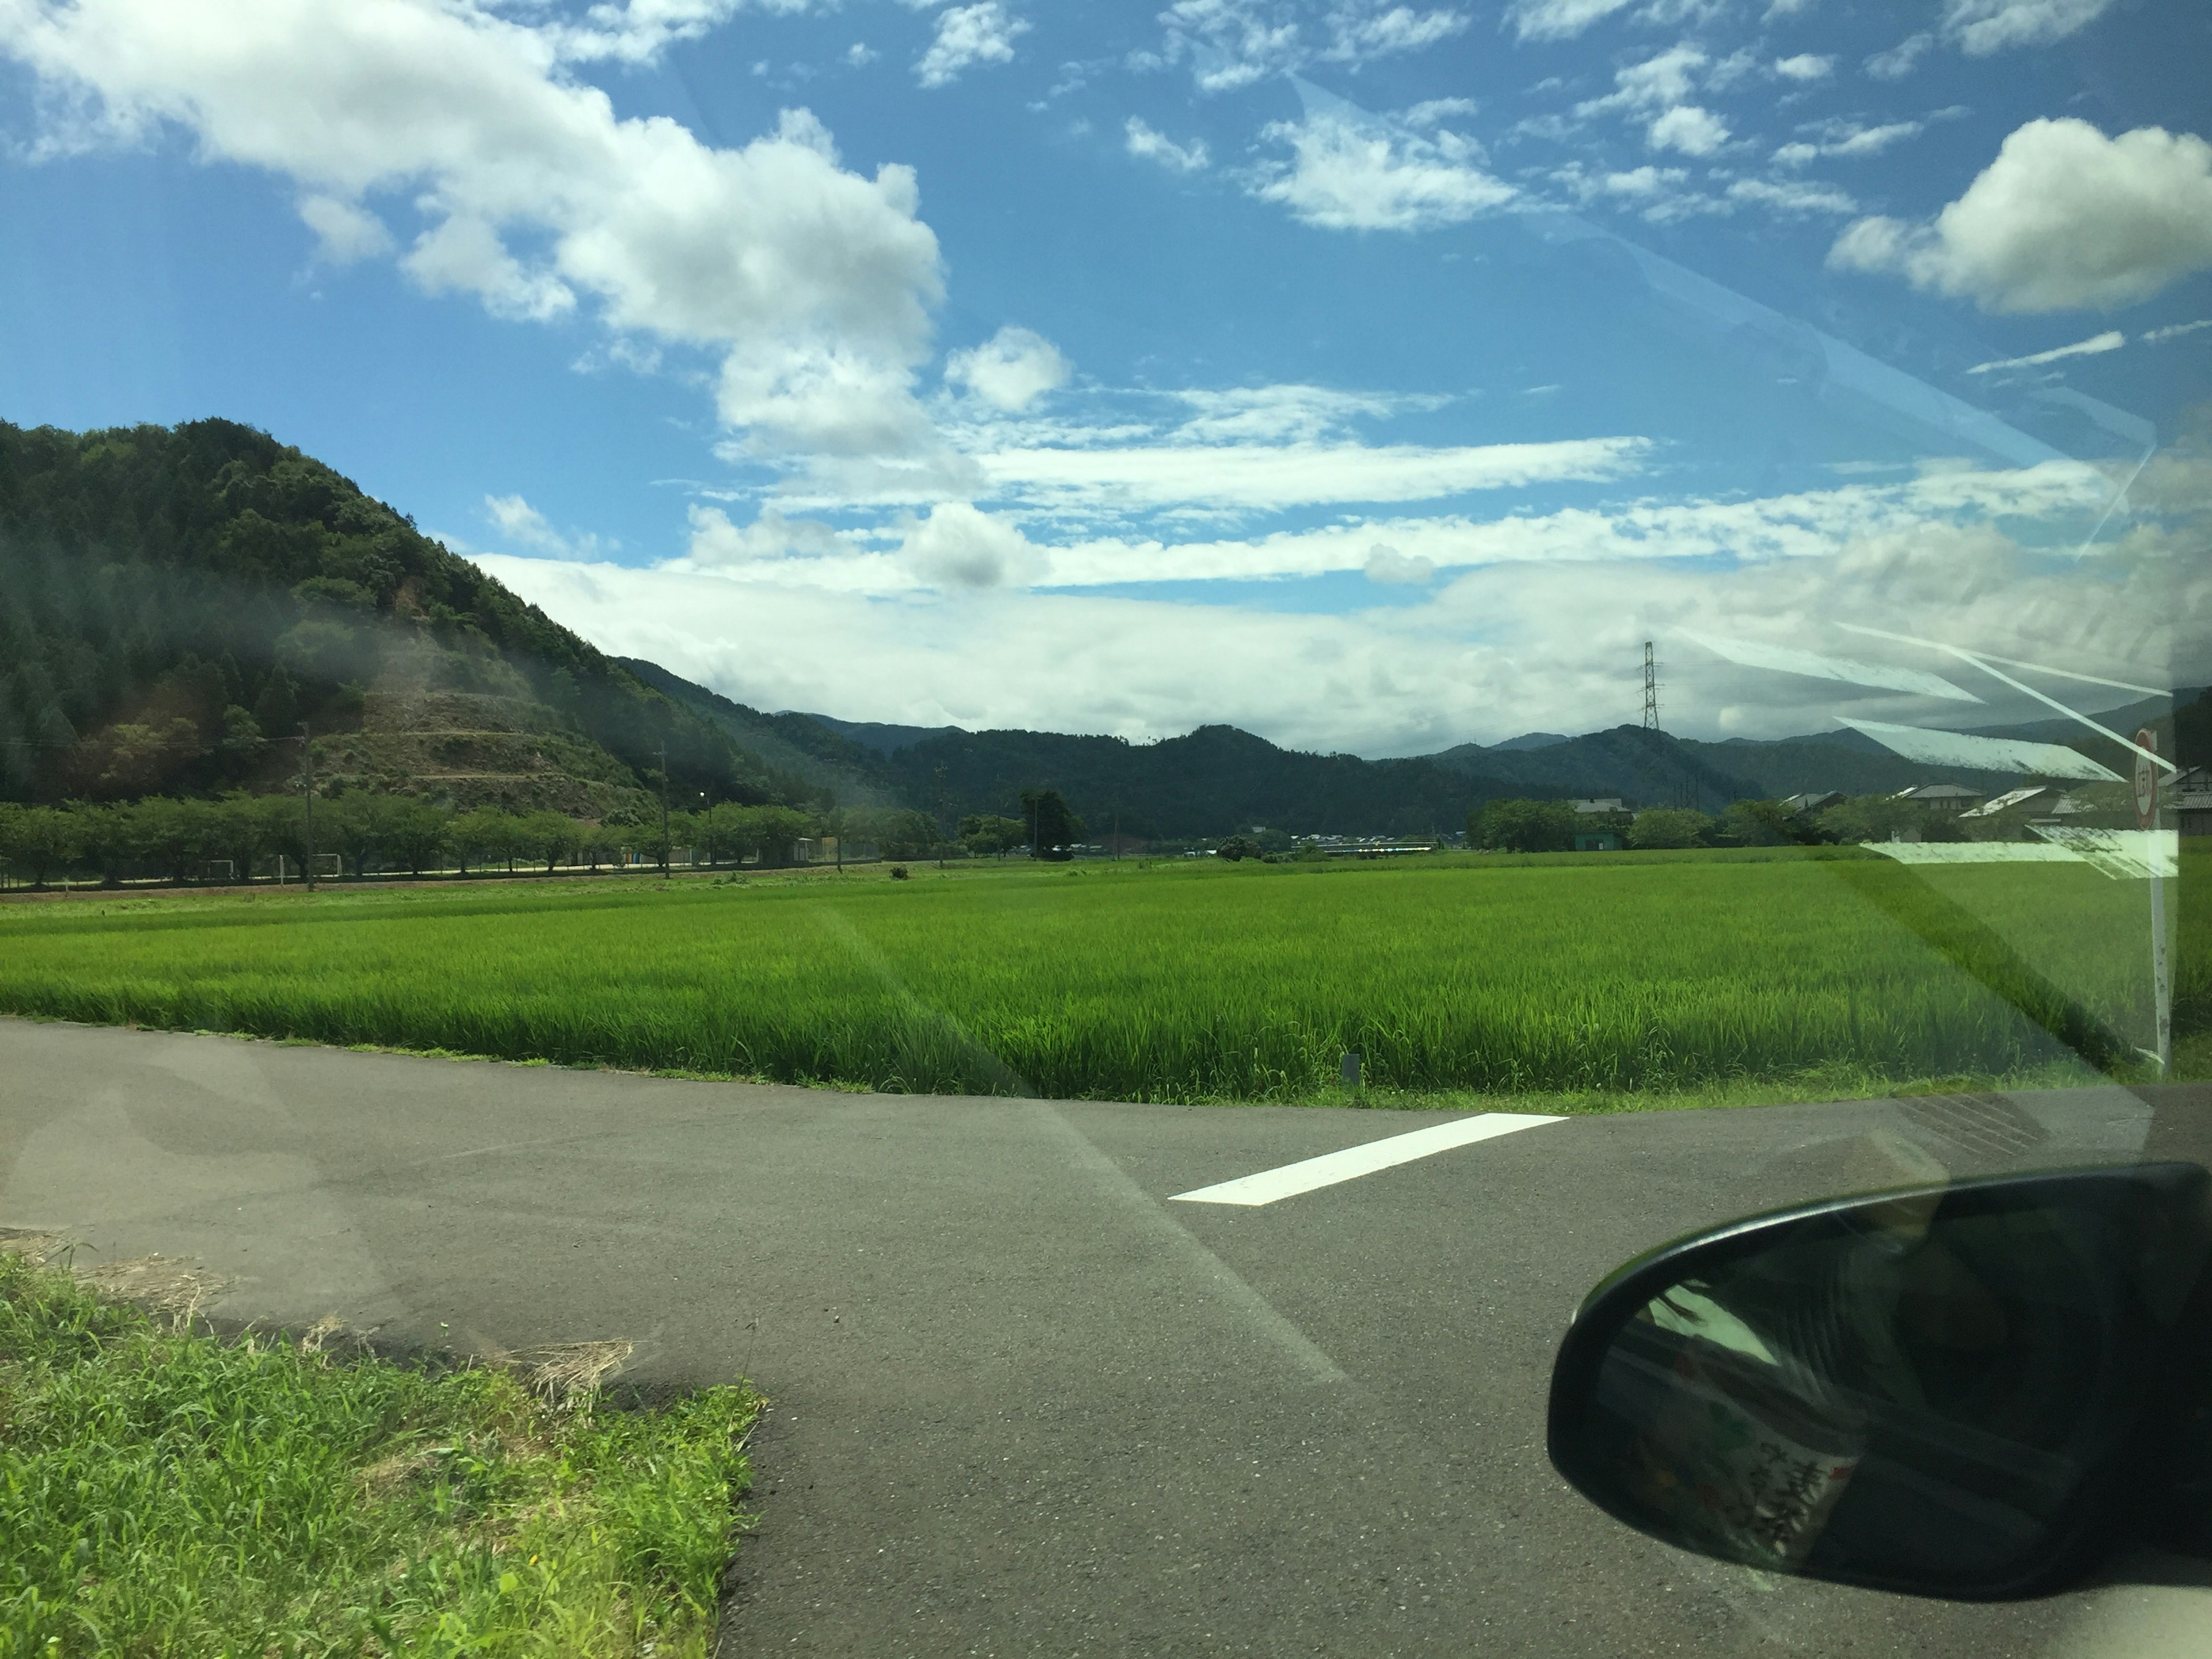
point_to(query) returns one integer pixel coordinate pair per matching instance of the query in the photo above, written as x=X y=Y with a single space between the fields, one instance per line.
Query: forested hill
x=1217 y=778
x=174 y=603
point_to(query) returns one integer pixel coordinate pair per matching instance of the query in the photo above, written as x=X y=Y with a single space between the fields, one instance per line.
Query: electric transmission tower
x=1650 y=689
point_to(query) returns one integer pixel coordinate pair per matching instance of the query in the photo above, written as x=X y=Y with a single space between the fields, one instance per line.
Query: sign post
x=2161 y=984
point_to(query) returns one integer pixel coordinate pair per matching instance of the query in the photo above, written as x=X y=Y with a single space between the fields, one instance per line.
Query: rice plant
x=1172 y=983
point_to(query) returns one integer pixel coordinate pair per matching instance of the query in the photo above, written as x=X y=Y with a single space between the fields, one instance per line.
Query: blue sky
x=1375 y=377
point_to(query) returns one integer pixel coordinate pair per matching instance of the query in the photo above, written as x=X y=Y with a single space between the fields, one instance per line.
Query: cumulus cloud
x=1230 y=44
x=1689 y=128
x=1154 y=146
x=1273 y=477
x=1348 y=175
x=2064 y=218
x=525 y=526
x=1528 y=622
x=345 y=231
x=1386 y=566
x=1356 y=36
x=1792 y=195
x=1901 y=59
x=527 y=190
x=2174 y=332
x=1010 y=370
x=981 y=34
x=1982 y=27
x=1559 y=20
x=1805 y=66
x=956 y=546
x=2110 y=340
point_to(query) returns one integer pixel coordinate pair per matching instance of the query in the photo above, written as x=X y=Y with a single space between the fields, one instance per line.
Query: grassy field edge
x=166 y=1489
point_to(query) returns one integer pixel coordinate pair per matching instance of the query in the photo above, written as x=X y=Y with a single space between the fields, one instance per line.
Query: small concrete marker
x=1353 y=1162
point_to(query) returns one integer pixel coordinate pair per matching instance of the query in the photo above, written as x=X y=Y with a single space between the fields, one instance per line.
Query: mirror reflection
x=1879 y=1392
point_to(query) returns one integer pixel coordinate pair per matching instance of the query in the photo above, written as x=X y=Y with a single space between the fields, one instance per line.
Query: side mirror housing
x=1958 y=1390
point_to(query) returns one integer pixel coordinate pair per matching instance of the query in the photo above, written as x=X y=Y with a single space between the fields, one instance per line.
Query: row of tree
x=1550 y=826
x=241 y=836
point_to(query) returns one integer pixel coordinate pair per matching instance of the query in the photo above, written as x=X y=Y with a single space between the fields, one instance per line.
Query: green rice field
x=1175 y=981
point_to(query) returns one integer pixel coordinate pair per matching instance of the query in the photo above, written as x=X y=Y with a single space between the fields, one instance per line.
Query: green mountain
x=175 y=603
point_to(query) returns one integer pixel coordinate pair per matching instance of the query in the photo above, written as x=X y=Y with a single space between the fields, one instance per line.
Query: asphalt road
x=1025 y=1403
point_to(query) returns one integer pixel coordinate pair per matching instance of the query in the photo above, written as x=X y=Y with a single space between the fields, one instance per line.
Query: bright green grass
x=166 y=1494
x=1179 y=982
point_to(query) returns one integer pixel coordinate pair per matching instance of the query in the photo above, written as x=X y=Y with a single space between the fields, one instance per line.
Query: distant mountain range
x=176 y=603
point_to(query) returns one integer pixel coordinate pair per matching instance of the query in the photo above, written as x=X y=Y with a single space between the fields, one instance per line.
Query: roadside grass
x=1651 y=979
x=167 y=1492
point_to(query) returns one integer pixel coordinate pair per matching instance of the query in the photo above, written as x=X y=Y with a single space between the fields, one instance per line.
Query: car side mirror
x=1964 y=1390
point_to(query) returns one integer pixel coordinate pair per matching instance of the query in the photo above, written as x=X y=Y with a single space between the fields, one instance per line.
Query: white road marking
x=1353 y=1162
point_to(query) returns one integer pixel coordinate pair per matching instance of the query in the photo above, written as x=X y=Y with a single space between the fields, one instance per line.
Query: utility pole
x=1651 y=690
x=663 y=809
x=308 y=761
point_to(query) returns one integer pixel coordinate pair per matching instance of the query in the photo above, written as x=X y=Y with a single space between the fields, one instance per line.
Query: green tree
x=355 y=826
x=415 y=832
x=1524 y=826
x=240 y=832
x=107 y=837
x=1769 y=823
x=1657 y=828
x=37 y=842
x=1238 y=847
x=174 y=837
x=986 y=835
x=1052 y=824
x=550 y=835
x=483 y=837
x=1870 y=818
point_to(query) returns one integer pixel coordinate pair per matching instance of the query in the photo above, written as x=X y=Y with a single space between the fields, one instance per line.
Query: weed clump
x=165 y=1491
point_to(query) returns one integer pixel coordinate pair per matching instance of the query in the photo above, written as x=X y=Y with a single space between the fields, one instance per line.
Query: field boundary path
x=1024 y=1401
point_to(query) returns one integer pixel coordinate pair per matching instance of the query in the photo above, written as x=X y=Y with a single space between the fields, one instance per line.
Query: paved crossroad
x=1050 y=1377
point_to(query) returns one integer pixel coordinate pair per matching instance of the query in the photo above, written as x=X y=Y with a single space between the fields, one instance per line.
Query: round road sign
x=2147 y=780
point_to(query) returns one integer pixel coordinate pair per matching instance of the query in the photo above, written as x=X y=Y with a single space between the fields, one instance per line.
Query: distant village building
x=1610 y=803
x=1950 y=799
x=2193 y=801
x=1814 y=801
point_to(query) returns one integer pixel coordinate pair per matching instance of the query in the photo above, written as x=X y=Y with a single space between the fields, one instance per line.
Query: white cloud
x=1689 y=128
x=981 y=34
x=1792 y=195
x=1429 y=113
x=2110 y=340
x=1805 y=66
x=1347 y=176
x=1230 y=44
x=1152 y=146
x=525 y=526
x=639 y=31
x=958 y=547
x=1388 y=566
x=1656 y=83
x=345 y=231
x=1558 y=20
x=529 y=192
x=1982 y=27
x=1529 y=622
x=1357 y=36
x=1286 y=413
x=1901 y=59
x=2159 y=335
x=1872 y=141
x=860 y=54
x=2064 y=218
x=1010 y=370
x=1273 y=477
x=1796 y=155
